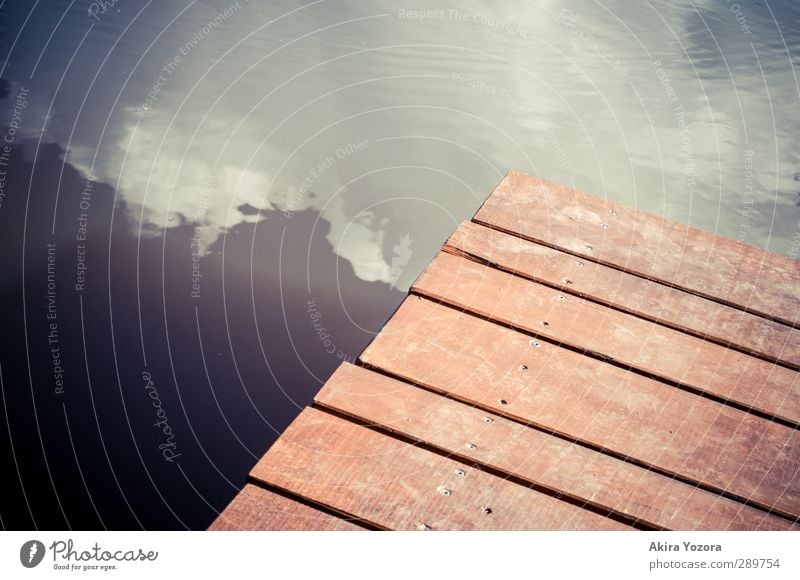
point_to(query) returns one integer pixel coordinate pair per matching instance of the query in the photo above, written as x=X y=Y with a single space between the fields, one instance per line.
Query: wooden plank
x=394 y=485
x=651 y=348
x=256 y=508
x=610 y=233
x=583 y=398
x=664 y=304
x=536 y=457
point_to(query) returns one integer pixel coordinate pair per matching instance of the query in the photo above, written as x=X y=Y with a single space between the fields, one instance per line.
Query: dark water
x=207 y=206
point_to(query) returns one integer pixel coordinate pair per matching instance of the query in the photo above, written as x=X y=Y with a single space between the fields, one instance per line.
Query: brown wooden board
x=255 y=508
x=645 y=244
x=395 y=485
x=537 y=457
x=543 y=384
x=664 y=304
x=651 y=348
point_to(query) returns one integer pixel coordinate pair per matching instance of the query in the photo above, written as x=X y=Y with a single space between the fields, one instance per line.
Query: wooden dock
x=565 y=362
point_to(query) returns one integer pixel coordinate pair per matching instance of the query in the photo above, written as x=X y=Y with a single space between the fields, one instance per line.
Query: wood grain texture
x=588 y=400
x=394 y=485
x=658 y=302
x=537 y=457
x=565 y=363
x=645 y=244
x=651 y=348
x=256 y=508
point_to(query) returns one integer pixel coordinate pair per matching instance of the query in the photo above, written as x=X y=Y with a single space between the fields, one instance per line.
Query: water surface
x=208 y=205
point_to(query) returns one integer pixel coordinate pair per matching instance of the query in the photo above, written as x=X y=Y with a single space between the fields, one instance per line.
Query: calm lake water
x=206 y=206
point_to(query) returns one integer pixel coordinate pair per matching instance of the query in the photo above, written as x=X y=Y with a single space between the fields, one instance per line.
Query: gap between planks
x=606 y=232
x=668 y=354
x=393 y=485
x=476 y=361
x=529 y=456
x=654 y=301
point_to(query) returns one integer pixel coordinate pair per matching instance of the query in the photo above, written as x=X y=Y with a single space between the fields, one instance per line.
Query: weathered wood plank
x=645 y=244
x=651 y=348
x=255 y=508
x=394 y=485
x=658 y=302
x=536 y=457
x=601 y=404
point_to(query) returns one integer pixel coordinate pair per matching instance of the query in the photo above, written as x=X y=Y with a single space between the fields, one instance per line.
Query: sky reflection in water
x=258 y=183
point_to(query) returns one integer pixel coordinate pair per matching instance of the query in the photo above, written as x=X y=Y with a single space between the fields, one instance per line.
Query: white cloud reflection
x=546 y=99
